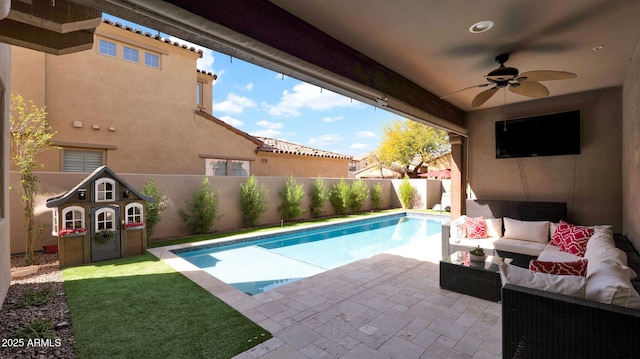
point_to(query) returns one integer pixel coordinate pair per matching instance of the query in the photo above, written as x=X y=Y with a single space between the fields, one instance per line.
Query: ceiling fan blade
x=548 y=75
x=530 y=89
x=483 y=96
x=466 y=88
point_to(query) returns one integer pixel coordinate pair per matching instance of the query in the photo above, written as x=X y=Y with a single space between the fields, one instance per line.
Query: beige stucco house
x=136 y=102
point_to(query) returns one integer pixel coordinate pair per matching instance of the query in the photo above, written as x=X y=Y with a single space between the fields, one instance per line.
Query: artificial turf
x=139 y=307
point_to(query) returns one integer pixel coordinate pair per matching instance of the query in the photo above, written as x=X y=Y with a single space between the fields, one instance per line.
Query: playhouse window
x=72 y=217
x=105 y=219
x=105 y=189
x=134 y=213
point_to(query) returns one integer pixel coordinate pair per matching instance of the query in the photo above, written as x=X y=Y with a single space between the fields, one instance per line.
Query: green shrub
x=358 y=193
x=34 y=298
x=253 y=201
x=339 y=196
x=406 y=193
x=153 y=215
x=39 y=329
x=319 y=194
x=291 y=196
x=376 y=196
x=202 y=211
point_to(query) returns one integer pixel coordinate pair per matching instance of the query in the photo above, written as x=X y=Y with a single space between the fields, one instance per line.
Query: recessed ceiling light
x=481 y=26
x=598 y=48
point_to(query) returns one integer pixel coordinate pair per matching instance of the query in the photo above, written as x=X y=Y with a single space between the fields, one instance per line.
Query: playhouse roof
x=97 y=173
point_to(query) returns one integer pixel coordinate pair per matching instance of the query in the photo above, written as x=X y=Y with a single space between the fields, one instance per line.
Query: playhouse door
x=105 y=233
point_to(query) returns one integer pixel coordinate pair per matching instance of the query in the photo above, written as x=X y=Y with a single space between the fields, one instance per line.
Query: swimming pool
x=258 y=264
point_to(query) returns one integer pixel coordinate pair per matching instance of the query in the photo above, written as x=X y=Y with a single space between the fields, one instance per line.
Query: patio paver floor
x=386 y=306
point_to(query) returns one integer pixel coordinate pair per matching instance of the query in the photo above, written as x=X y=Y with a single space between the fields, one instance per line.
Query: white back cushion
x=535 y=231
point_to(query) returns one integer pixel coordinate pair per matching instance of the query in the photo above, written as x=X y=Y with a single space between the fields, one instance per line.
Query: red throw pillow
x=561 y=268
x=571 y=238
x=476 y=227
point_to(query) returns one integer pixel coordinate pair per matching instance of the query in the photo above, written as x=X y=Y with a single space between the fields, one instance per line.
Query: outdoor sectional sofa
x=538 y=322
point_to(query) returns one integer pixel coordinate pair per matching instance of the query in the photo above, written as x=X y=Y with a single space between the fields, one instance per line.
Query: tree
x=253 y=201
x=153 y=216
x=202 y=211
x=30 y=135
x=404 y=141
x=319 y=194
x=291 y=196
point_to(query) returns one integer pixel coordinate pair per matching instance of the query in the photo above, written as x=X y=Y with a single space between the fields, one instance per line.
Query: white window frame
x=102 y=194
x=128 y=52
x=134 y=217
x=106 y=223
x=218 y=167
x=73 y=220
x=155 y=63
x=200 y=93
x=106 y=50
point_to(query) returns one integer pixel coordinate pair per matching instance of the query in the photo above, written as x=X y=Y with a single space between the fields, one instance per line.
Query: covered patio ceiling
x=406 y=55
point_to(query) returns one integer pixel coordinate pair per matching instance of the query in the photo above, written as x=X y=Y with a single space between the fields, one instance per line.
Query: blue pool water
x=262 y=263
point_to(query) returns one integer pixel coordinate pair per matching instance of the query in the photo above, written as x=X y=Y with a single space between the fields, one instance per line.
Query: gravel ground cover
x=13 y=319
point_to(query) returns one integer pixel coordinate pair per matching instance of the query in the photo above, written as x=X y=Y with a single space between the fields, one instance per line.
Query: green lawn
x=139 y=307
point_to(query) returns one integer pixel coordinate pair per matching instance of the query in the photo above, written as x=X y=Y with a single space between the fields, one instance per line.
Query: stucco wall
x=427 y=192
x=5 y=260
x=145 y=117
x=631 y=152
x=178 y=189
x=590 y=183
x=280 y=164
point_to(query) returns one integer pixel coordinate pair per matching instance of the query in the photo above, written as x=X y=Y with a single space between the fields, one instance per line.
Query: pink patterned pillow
x=476 y=227
x=571 y=238
x=578 y=268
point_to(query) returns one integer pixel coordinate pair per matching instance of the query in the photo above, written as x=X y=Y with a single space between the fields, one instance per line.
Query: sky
x=266 y=103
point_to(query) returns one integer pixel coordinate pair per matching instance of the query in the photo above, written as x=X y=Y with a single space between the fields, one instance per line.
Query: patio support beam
x=266 y=35
x=458 y=175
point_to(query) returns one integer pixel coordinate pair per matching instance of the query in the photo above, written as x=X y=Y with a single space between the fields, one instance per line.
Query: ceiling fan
x=525 y=84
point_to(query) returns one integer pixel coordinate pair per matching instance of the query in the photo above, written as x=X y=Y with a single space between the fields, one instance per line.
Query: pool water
x=266 y=262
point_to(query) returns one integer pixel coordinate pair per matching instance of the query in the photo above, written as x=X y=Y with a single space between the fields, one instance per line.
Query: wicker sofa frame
x=539 y=324
x=522 y=210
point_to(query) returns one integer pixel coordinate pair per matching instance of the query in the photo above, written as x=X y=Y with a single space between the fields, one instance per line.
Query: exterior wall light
x=125 y=194
x=82 y=194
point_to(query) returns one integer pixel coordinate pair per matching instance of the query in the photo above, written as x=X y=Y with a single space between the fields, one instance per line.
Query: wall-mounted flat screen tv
x=546 y=135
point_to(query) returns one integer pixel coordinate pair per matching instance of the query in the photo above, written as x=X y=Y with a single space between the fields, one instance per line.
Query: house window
x=107 y=48
x=105 y=219
x=129 y=54
x=105 y=190
x=152 y=60
x=218 y=167
x=199 y=90
x=134 y=213
x=72 y=218
x=81 y=161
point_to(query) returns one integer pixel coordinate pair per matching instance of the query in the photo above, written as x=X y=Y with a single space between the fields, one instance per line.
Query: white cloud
x=332 y=119
x=325 y=140
x=366 y=134
x=266 y=133
x=248 y=87
x=232 y=121
x=271 y=125
x=233 y=104
x=358 y=146
x=309 y=96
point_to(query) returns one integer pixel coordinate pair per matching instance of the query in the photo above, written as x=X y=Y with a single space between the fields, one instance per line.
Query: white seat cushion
x=562 y=284
x=519 y=246
x=483 y=242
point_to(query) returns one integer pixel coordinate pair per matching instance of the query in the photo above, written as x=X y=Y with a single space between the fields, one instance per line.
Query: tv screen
x=545 y=135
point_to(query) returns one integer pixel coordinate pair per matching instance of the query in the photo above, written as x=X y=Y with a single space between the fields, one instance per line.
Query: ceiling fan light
x=481 y=26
